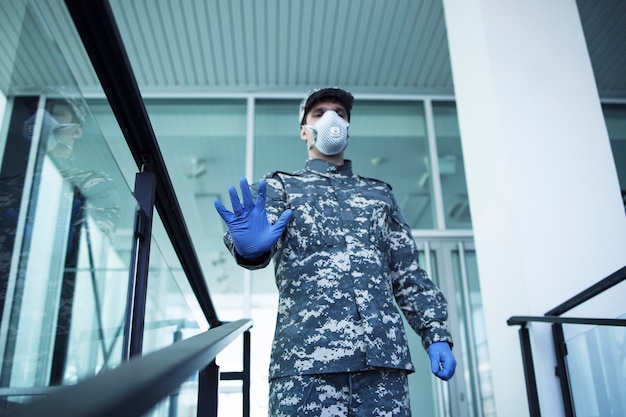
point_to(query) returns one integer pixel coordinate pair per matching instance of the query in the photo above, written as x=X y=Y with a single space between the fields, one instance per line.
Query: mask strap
x=312 y=129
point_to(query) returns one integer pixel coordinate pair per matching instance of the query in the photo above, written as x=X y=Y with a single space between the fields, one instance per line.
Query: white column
x=546 y=208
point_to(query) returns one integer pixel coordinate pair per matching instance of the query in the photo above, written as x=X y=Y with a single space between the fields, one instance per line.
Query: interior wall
x=546 y=208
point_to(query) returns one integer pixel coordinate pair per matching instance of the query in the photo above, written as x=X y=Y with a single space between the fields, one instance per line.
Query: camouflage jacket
x=346 y=255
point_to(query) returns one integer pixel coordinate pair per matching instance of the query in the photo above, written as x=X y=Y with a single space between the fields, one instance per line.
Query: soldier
x=342 y=253
x=98 y=193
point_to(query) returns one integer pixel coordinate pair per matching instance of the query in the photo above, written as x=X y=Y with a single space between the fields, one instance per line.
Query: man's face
x=62 y=113
x=69 y=130
x=322 y=107
x=318 y=111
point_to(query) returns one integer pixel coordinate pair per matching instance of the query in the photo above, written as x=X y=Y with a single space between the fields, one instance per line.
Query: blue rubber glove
x=442 y=361
x=248 y=226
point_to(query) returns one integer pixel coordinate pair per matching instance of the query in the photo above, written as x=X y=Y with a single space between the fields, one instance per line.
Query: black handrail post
x=246 y=373
x=208 y=385
x=145 y=184
x=529 y=372
x=173 y=405
x=560 y=350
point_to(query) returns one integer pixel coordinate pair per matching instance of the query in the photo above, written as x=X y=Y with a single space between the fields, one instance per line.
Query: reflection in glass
x=66 y=280
x=451 y=167
x=473 y=346
x=172 y=311
x=277 y=143
x=597 y=368
x=429 y=396
x=203 y=143
x=388 y=142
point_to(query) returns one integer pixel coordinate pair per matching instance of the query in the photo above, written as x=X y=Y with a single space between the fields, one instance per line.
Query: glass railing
x=68 y=211
x=71 y=245
x=590 y=366
x=596 y=363
x=172 y=311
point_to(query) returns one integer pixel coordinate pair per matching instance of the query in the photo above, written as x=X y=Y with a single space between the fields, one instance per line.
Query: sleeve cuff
x=257 y=262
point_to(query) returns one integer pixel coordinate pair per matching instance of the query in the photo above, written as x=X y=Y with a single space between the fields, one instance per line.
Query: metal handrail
x=601 y=286
x=97 y=28
x=522 y=320
x=553 y=316
x=141 y=383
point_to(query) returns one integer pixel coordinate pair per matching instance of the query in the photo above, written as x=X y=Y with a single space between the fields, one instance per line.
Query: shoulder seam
x=377 y=180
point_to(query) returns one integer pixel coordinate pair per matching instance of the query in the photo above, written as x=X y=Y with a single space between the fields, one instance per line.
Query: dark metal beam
x=599 y=287
x=521 y=320
x=529 y=373
x=560 y=350
x=140 y=266
x=100 y=35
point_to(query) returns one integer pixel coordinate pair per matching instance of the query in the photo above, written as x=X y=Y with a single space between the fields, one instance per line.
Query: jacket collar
x=325 y=168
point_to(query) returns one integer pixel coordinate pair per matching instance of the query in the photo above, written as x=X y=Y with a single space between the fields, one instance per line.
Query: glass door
x=451 y=263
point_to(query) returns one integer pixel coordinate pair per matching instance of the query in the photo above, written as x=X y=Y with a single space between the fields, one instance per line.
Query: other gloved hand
x=248 y=226
x=442 y=361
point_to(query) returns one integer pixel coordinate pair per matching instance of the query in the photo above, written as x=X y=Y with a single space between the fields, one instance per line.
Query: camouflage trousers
x=382 y=393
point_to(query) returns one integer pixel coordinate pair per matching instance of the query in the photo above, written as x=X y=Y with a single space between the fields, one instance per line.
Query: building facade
x=513 y=183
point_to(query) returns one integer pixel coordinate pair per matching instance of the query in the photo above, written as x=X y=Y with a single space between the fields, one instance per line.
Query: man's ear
x=78 y=132
x=303 y=132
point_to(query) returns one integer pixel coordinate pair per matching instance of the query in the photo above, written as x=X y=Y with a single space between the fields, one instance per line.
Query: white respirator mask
x=330 y=133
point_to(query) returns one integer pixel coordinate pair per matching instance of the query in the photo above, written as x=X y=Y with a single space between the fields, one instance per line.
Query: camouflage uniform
x=102 y=200
x=341 y=394
x=343 y=259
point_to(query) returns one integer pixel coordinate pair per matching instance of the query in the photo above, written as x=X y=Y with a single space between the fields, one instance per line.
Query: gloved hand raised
x=248 y=226
x=442 y=361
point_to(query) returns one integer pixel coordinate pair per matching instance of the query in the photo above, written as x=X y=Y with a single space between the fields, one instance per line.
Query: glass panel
x=388 y=142
x=597 y=369
x=67 y=215
x=172 y=314
x=68 y=211
x=203 y=143
x=172 y=310
x=615 y=117
x=183 y=402
x=423 y=387
x=451 y=167
x=204 y=147
x=473 y=345
x=277 y=147
x=277 y=143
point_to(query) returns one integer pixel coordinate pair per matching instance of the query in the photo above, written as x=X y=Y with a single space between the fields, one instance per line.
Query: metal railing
x=138 y=384
x=553 y=316
x=135 y=387
x=100 y=35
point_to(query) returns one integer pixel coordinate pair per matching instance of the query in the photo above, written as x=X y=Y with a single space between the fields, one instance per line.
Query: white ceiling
x=211 y=46
x=230 y=48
